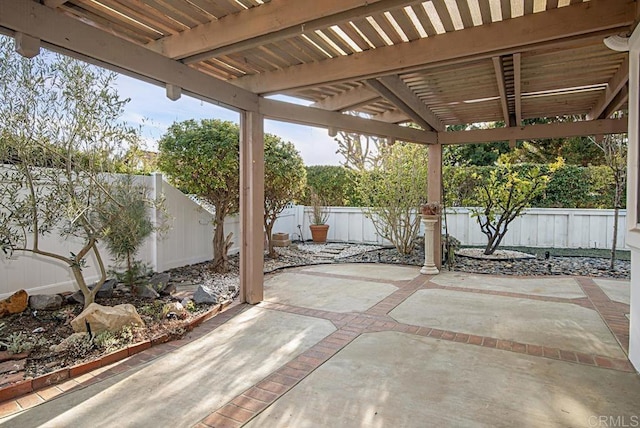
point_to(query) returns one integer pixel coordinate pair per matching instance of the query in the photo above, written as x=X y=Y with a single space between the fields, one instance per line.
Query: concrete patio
x=375 y=346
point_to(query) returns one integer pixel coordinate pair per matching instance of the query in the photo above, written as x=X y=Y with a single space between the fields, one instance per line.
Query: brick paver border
x=349 y=326
x=254 y=400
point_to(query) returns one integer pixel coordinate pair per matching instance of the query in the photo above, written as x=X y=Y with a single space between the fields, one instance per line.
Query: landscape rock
x=159 y=282
x=105 y=292
x=13 y=366
x=174 y=310
x=67 y=342
x=146 y=292
x=8 y=355
x=109 y=318
x=45 y=302
x=14 y=304
x=205 y=294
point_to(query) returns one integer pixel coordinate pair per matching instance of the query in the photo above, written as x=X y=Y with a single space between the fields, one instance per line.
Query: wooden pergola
x=366 y=66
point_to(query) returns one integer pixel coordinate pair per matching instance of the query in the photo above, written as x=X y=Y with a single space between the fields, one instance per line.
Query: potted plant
x=430 y=208
x=318 y=218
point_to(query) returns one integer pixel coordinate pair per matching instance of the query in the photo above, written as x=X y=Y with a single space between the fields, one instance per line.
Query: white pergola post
x=633 y=196
x=434 y=194
x=251 y=206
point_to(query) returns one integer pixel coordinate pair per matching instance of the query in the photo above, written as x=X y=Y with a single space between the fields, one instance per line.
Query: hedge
x=571 y=186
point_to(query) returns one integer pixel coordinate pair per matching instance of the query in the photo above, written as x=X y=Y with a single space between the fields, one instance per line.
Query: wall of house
x=633 y=194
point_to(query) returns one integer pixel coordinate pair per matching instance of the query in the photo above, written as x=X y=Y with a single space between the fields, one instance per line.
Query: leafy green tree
x=59 y=133
x=202 y=158
x=284 y=180
x=503 y=195
x=335 y=184
x=394 y=191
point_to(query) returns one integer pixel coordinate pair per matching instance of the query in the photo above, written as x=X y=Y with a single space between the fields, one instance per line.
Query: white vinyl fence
x=188 y=241
x=190 y=238
x=538 y=227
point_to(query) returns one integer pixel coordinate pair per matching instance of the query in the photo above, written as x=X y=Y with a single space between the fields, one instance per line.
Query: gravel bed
x=299 y=254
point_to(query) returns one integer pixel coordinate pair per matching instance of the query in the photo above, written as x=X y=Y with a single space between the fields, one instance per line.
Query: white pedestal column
x=429 y=222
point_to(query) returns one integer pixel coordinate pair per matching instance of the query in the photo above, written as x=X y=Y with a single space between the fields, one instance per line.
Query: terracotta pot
x=319 y=232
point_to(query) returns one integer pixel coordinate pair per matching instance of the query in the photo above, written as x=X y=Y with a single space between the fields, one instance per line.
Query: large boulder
x=106 y=318
x=206 y=294
x=45 y=302
x=14 y=304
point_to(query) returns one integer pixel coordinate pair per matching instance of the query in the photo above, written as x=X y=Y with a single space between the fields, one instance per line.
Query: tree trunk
x=616 y=214
x=268 y=227
x=220 y=262
x=86 y=293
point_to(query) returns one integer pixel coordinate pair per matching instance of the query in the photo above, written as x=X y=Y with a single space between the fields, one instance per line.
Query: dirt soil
x=39 y=331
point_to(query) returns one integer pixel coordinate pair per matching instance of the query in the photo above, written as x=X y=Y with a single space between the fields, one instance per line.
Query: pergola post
x=434 y=194
x=251 y=206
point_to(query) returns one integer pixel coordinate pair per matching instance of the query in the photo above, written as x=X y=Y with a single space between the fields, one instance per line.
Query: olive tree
x=285 y=178
x=504 y=194
x=393 y=191
x=60 y=130
x=202 y=158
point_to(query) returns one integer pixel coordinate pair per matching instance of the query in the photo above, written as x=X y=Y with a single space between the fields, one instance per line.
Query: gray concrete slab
x=181 y=388
x=561 y=325
x=616 y=290
x=393 y=379
x=369 y=270
x=538 y=286
x=325 y=293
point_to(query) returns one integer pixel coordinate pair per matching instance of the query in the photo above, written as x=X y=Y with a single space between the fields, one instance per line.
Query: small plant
x=431 y=208
x=152 y=310
x=80 y=346
x=106 y=340
x=191 y=306
x=319 y=211
x=133 y=275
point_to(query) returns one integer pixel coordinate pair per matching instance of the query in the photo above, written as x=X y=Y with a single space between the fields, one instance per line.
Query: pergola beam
x=581 y=20
x=517 y=87
x=392 y=116
x=77 y=39
x=552 y=130
x=614 y=87
x=72 y=37
x=502 y=89
x=402 y=102
x=294 y=113
x=270 y=22
x=411 y=100
x=347 y=100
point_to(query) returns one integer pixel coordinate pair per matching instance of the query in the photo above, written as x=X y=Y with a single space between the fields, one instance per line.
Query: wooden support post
x=434 y=194
x=251 y=207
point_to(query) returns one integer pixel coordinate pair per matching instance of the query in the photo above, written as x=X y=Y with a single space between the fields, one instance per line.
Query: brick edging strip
x=48 y=380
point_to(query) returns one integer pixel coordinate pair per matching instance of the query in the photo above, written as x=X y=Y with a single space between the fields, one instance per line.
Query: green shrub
x=335 y=184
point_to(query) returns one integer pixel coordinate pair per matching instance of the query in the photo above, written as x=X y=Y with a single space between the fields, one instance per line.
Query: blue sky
x=154 y=113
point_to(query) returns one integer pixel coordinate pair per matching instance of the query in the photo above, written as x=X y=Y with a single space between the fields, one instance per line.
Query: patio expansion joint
x=353 y=277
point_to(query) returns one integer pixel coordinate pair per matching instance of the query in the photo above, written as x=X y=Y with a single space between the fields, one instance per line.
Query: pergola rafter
x=597 y=19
